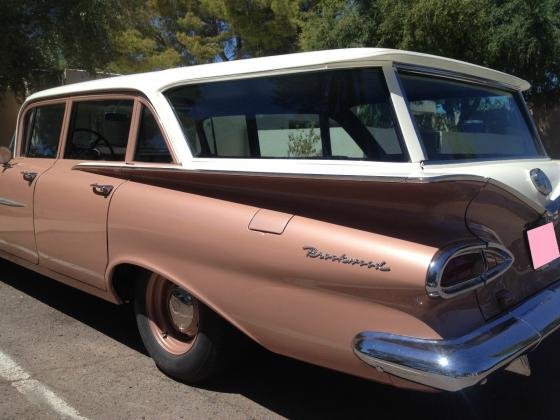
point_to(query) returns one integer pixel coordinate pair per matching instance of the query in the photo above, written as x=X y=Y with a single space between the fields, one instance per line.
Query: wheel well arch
x=121 y=278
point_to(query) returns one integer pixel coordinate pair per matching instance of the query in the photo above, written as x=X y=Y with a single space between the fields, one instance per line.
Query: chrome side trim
x=444 y=256
x=10 y=203
x=375 y=178
x=539 y=208
x=455 y=364
x=485 y=160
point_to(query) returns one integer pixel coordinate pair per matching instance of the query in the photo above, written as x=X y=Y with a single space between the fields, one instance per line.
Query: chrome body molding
x=539 y=208
x=372 y=178
x=10 y=203
x=501 y=254
x=456 y=364
x=369 y=178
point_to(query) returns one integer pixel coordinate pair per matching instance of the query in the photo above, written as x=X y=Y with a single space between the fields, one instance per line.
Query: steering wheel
x=100 y=139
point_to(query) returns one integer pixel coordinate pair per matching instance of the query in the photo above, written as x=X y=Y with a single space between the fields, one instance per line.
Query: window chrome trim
x=443 y=257
x=452 y=75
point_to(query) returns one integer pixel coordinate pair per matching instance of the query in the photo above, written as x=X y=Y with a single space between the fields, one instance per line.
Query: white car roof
x=153 y=82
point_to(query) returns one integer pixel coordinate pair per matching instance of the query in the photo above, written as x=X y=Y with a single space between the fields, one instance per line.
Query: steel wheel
x=173 y=315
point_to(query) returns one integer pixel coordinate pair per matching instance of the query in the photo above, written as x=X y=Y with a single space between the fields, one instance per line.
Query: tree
x=521 y=37
x=339 y=24
x=40 y=38
x=168 y=33
x=260 y=27
x=526 y=42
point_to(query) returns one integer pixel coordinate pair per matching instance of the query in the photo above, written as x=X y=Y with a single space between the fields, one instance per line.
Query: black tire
x=206 y=355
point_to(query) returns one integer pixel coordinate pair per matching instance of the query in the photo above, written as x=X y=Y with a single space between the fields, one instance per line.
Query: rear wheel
x=183 y=336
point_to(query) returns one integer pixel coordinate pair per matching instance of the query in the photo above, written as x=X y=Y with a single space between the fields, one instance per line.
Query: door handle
x=29 y=176
x=102 y=190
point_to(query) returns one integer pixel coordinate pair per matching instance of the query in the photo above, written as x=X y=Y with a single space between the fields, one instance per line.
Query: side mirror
x=5 y=155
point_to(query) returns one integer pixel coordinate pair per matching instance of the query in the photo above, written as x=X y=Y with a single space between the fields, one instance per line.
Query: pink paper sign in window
x=543 y=245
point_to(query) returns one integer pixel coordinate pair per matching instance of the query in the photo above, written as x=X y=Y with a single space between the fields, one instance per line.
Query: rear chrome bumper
x=455 y=364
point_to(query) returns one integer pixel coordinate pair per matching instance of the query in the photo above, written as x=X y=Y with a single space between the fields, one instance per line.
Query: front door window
x=42 y=131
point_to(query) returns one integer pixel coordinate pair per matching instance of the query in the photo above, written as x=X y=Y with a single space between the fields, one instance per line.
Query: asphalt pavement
x=65 y=354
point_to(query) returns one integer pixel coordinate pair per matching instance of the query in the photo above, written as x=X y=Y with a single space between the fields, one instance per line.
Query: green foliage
x=260 y=27
x=452 y=28
x=168 y=33
x=336 y=24
x=149 y=39
x=521 y=37
x=40 y=38
x=526 y=42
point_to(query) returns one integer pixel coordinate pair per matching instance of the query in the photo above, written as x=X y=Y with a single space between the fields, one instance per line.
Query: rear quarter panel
x=265 y=285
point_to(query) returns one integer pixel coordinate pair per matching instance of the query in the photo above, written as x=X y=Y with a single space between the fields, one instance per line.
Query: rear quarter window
x=338 y=114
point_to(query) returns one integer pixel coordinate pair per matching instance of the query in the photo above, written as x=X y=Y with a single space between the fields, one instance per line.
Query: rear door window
x=42 y=131
x=99 y=130
x=151 y=145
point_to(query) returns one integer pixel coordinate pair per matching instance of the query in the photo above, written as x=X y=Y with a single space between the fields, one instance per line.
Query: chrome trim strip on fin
x=88 y=167
x=375 y=178
x=539 y=208
x=10 y=203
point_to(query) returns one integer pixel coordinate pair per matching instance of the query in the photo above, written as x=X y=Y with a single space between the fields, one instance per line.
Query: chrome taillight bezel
x=440 y=260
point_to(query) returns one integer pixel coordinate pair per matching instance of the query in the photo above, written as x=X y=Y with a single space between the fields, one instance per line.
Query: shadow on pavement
x=297 y=390
x=114 y=321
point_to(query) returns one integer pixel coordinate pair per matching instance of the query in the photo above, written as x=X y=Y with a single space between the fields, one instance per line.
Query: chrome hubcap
x=182 y=309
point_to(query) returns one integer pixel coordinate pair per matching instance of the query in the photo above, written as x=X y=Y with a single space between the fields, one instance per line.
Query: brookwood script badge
x=313 y=252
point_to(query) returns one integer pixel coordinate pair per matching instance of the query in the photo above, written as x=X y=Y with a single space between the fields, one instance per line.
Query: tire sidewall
x=199 y=362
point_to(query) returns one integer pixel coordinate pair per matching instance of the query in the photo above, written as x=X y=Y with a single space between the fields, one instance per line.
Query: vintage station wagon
x=383 y=213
